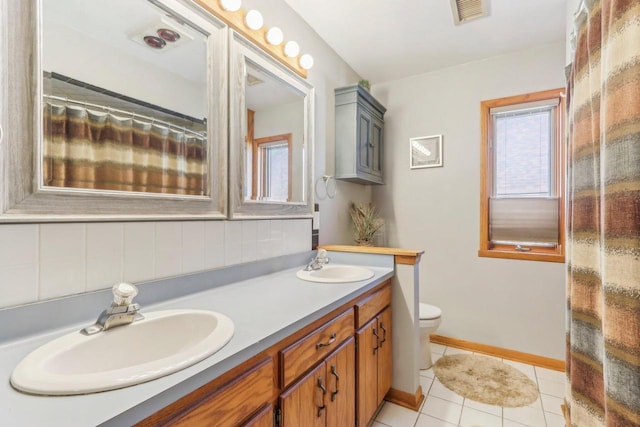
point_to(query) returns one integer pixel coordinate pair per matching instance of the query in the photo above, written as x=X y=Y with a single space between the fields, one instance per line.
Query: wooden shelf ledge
x=401 y=256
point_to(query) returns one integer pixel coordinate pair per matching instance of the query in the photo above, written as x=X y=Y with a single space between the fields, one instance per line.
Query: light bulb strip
x=235 y=20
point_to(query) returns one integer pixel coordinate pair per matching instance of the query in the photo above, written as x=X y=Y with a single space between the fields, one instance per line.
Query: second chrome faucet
x=318 y=262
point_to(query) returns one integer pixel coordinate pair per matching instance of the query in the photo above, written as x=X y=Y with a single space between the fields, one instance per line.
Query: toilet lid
x=428 y=311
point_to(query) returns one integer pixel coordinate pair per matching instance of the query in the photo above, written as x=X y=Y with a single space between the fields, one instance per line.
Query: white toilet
x=430 y=317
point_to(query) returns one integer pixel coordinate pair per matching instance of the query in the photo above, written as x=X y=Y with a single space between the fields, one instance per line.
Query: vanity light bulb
x=231 y=5
x=291 y=49
x=306 y=61
x=275 y=36
x=254 y=19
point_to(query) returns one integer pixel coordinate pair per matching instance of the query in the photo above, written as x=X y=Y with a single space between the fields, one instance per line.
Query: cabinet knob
x=335 y=374
x=375 y=334
x=332 y=339
x=324 y=391
x=384 y=334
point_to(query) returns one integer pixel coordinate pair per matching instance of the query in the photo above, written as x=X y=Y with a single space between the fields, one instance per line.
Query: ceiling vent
x=467 y=10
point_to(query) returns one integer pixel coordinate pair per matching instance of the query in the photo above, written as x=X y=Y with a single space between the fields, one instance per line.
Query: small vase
x=364 y=243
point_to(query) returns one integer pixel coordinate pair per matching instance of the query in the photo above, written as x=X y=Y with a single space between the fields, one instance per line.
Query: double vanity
x=204 y=112
x=293 y=341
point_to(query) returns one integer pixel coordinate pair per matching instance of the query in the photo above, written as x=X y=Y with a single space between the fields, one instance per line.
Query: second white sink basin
x=336 y=273
x=160 y=344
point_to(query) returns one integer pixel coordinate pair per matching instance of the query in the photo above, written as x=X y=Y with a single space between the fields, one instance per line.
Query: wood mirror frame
x=22 y=198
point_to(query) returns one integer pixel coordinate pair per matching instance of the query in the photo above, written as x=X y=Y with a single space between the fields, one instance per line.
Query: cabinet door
x=364 y=140
x=377 y=146
x=341 y=386
x=385 y=355
x=304 y=403
x=367 y=371
x=264 y=418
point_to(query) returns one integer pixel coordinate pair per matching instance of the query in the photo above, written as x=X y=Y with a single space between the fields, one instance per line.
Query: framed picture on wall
x=425 y=152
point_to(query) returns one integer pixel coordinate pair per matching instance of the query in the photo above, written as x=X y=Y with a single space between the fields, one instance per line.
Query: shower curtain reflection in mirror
x=119 y=115
x=101 y=150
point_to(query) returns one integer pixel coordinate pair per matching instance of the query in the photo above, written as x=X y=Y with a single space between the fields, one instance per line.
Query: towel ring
x=327 y=186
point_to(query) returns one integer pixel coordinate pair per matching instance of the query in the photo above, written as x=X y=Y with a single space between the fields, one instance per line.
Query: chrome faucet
x=318 y=262
x=121 y=312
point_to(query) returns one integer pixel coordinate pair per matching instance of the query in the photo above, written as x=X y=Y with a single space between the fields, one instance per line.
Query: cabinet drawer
x=303 y=354
x=368 y=308
x=231 y=404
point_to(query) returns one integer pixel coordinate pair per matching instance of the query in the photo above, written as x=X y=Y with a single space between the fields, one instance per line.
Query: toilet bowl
x=430 y=317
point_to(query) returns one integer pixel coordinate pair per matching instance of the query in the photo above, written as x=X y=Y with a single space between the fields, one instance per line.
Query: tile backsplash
x=44 y=261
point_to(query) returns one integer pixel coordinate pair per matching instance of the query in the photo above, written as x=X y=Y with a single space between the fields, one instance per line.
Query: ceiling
x=385 y=40
x=120 y=26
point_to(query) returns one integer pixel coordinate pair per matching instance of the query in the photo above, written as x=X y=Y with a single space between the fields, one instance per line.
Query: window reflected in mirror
x=274 y=146
x=271 y=163
x=124 y=99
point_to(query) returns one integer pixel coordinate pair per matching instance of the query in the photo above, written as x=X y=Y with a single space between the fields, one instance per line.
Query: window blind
x=530 y=221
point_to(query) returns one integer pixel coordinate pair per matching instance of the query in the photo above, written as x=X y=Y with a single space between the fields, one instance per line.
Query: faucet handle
x=321 y=256
x=123 y=293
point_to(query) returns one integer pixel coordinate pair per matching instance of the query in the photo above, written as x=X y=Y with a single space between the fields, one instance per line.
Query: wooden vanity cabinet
x=331 y=373
x=232 y=404
x=374 y=356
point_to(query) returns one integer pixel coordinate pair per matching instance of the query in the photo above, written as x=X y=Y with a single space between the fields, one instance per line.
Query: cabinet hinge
x=277 y=417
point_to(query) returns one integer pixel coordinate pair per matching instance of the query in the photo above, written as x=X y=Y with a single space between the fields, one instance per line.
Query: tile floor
x=444 y=408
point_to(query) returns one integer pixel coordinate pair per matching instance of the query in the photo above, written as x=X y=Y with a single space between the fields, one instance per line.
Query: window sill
x=527 y=256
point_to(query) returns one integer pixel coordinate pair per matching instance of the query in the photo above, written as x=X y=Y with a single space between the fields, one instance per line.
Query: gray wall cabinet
x=359 y=136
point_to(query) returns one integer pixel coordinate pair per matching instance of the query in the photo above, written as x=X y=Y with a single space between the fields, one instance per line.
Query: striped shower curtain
x=603 y=282
x=102 y=151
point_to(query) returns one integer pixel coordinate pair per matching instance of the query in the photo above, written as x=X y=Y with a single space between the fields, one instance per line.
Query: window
x=271 y=168
x=522 y=177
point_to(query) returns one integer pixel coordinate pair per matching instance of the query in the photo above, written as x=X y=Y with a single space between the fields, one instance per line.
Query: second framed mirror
x=271 y=136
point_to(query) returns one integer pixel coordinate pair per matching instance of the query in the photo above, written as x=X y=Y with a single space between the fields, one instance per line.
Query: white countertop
x=264 y=309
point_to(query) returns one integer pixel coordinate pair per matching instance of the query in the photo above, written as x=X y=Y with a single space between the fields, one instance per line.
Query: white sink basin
x=336 y=273
x=160 y=344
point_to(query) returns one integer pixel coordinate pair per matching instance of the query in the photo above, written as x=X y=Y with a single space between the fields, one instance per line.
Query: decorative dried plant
x=366 y=222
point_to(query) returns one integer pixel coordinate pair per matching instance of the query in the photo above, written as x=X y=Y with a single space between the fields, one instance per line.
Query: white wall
x=43 y=261
x=506 y=303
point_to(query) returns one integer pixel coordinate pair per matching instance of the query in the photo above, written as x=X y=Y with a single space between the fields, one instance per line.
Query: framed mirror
x=125 y=111
x=270 y=136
